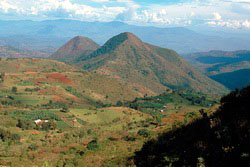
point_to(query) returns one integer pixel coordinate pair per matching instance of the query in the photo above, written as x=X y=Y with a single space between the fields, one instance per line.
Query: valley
x=228 y=68
x=90 y=105
x=87 y=124
x=124 y=83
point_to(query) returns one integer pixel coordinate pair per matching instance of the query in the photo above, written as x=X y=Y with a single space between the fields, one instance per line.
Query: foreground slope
x=145 y=66
x=221 y=139
x=74 y=48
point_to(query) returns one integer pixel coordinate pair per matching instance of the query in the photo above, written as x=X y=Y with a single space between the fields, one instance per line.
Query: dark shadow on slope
x=222 y=139
x=233 y=80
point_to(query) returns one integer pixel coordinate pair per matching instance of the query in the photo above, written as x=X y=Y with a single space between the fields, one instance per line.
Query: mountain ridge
x=56 y=32
x=127 y=58
x=227 y=68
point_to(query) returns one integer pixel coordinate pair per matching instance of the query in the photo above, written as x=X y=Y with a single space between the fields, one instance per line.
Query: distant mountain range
x=147 y=68
x=48 y=36
x=232 y=69
x=10 y=52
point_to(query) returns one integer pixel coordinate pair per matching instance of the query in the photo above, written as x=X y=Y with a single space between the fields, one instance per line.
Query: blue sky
x=233 y=14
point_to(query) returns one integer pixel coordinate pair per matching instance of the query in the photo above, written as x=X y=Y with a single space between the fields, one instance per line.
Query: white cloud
x=217 y=16
x=226 y=13
x=6 y=7
x=236 y=24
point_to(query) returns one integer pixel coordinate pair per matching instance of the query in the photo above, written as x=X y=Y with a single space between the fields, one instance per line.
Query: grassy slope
x=146 y=67
x=113 y=127
x=61 y=82
x=74 y=48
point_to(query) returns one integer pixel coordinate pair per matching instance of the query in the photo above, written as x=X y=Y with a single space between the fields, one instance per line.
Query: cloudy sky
x=217 y=13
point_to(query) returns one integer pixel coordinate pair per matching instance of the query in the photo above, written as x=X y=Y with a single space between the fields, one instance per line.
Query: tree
x=64 y=109
x=93 y=145
x=2 y=77
x=119 y=103
x=48 y=126
x=14 y=89
x=144 y=132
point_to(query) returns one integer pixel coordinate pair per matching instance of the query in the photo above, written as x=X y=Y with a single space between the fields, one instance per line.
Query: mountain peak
x=123 y=37
x=74 y=48
x=80 y=41
x=115 y=42
x=127 y=36
x=145 y=66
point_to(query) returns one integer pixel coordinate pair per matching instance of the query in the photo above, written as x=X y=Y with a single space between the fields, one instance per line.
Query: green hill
x=74 y=48
x=146 y=67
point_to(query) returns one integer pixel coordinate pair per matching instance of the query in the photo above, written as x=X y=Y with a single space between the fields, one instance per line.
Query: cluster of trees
x=33 y=115
x=32 y=90
x=221 y=139
x=11 y=102
x=25 y=125
x=54 y=105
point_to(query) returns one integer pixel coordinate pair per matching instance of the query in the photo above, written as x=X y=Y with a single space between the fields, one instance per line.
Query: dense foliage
x=157 y=103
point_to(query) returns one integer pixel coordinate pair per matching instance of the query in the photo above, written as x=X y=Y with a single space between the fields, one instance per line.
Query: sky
x=233 y=14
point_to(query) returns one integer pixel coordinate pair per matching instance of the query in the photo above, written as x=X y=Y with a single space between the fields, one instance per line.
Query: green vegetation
x=165 y=101
x=144 y=132
x=33 y=115
x=14 y=89
x=8 y=136
x=93 y=145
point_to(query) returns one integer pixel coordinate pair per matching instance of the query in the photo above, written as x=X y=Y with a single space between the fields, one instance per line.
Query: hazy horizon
x=233 y=14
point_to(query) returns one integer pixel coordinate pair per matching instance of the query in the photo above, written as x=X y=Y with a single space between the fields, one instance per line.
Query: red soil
x=57 y=77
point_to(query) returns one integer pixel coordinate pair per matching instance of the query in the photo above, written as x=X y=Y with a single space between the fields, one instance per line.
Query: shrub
x=144 y=132
x=65 y=110
x=32 y=147
x=129 y=138
x=25 y=124
x=48 y=126
x=14 y=89
x=119 y=103
x=7 y=136
x=93 y=145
